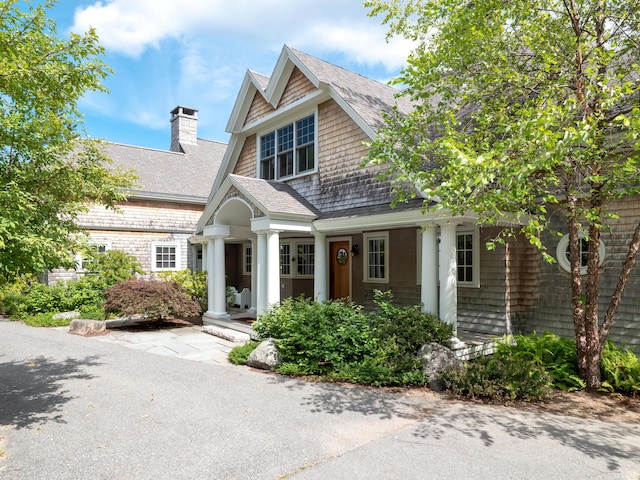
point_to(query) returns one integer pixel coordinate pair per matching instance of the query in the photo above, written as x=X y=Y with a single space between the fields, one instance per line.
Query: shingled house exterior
x=292 y=211
x=160 y=215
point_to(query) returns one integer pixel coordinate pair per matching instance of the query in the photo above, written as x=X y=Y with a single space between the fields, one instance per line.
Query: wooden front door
x=340 y=270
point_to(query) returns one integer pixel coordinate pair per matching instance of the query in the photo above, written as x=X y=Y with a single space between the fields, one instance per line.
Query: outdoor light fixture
x=354 y=250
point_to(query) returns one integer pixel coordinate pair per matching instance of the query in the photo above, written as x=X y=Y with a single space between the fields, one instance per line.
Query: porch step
x=233 y=330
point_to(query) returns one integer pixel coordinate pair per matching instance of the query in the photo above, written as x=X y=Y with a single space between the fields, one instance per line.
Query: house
x=292 y=211
x=160 y=215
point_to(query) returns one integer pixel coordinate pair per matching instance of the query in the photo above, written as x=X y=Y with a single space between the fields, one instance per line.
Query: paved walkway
x=183 y=342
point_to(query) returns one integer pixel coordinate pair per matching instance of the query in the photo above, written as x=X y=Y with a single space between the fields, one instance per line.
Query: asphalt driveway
x=80 y=408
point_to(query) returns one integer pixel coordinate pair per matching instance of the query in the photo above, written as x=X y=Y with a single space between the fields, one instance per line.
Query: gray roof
x=274 y=197
x=366 y=96
x=163 y=174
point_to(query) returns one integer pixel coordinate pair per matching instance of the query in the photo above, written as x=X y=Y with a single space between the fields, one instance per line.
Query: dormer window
x=288 y=151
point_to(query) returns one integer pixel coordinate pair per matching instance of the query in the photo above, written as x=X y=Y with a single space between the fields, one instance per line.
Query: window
x=289 y=150
x=85 y=263
x=563 y=256
x=467 y=258
x=305 y=259
x=285 y=259
x=376 y=264
x=246 y=260
x=165 y=256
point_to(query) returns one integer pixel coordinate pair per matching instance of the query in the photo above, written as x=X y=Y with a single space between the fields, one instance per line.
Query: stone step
x=227 y=334
x=230 y=324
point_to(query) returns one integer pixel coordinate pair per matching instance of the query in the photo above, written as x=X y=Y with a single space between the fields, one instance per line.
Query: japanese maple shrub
x=155 y=300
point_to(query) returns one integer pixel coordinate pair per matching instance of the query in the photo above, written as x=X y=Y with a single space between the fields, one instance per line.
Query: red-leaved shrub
x=153 y=299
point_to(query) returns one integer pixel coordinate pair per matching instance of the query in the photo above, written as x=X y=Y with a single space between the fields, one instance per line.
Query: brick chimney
x=184 y=127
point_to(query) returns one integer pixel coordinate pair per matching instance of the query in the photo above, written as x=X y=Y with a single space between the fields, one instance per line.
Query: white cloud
x=130 y=27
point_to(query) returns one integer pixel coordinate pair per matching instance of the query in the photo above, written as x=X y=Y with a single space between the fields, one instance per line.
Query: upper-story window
x=288 y=151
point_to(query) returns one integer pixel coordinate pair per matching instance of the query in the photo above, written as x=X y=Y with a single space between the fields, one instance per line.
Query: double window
x=297 y=259
x=288 y=151
x=85 y=262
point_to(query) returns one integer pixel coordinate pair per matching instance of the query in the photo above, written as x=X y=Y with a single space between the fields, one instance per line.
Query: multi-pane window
x=306 y=260
x=285 y=259
x=376 y=257
x=165 y=256
x=564 y=258
x=87 y=262
x=247 y=259
x=288 y=151
x=464 y=248
x=267 y=156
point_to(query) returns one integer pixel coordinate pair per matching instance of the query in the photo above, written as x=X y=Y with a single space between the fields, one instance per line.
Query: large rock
x=87 y=327
x=436 y=359
x=266 y=356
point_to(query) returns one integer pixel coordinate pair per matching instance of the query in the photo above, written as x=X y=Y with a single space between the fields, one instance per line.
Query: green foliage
x=336 y=340
x=620 y=369
x=45 y=320
x=153 y=299
x=556 y=354
x=499 y=378
x=239 y=355
x=317 y=337
x=516 y=110
x=105 y=269
x=193 y=283
x=48 y=175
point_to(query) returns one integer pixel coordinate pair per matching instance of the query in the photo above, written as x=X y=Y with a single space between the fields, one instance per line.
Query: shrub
x=194 y=284
x=620 y=369
x=504 y=377
x=239 y=355
x=110 y=267
x=556 y=354
x=45 y=320
x=153 y=299
x=317 y=338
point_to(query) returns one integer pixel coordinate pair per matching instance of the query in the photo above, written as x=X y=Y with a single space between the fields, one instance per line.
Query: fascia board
x=372 y=222
x=231 y=153
x=242 y=103
x=214 y=201
x=281 y=73
x=275 y=224
x=371 y=133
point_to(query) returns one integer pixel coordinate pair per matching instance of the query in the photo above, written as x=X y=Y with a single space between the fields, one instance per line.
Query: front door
x=340 y=270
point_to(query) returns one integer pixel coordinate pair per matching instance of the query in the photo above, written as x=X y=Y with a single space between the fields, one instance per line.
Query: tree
x=523 y=108
x=48 y=173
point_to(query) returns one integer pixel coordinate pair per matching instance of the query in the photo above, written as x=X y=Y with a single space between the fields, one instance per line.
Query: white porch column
x=429 y=272
x=320 y=268
x=448 y=275
x=261 y=273
x=273 y=267
x=205 y=265
x=220 y=294
x=216 y=288
x=254 y=277
x=211 y=281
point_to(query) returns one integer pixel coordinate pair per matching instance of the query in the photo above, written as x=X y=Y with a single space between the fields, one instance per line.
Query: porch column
x=220 y=294
x=261 y=273
x=273 y=267
x=211 y=287
x=429 y=272
x=205 y=265
x=254 y=276
x=320 y=268
x=448 y=275
x=216 y=288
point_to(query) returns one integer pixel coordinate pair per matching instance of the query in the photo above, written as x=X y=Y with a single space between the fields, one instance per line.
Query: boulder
x=436 y=359
x=66 y=316
x=266 y=356
x=87 y=327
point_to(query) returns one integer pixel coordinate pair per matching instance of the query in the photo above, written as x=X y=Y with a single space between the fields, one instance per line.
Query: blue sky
x=195 y=53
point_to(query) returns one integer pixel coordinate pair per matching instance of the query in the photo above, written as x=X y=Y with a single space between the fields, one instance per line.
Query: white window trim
x=561 y=257
x=176 y=245
x=289 y=121
x=387 y=251
x=290 y=274
x=475 y=232
x=245 y=270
